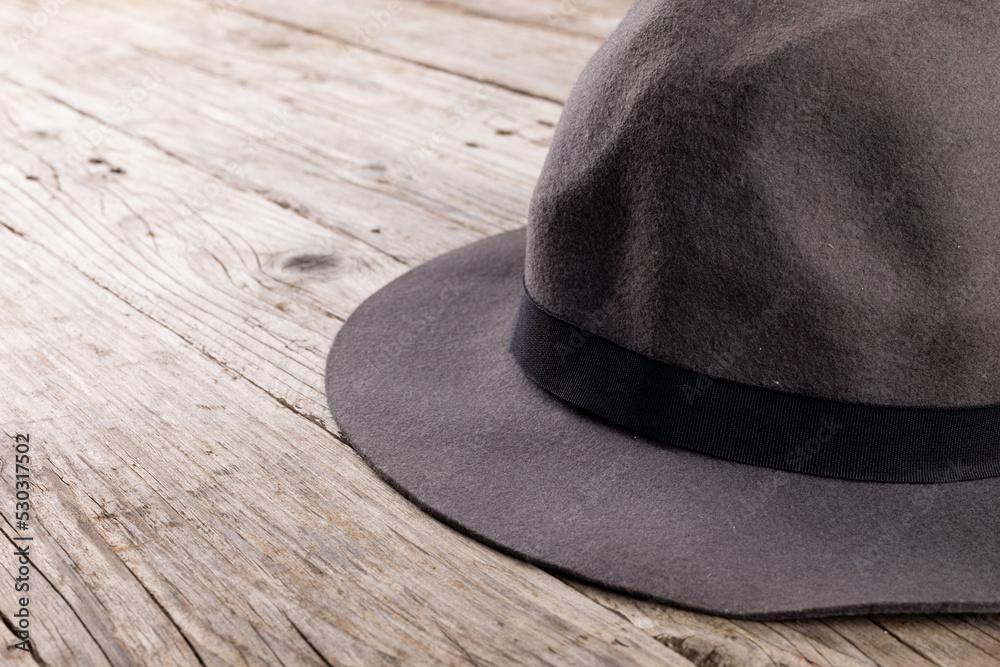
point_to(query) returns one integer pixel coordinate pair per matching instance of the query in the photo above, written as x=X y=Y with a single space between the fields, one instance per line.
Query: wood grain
x=594 y=18
x=527 y=55
x=205 y=521
x=195 y=196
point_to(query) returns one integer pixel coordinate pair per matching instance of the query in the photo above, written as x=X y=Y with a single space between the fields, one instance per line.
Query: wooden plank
x=595 y=18
x=127 y=231
x=212 y=523
x=363 y=144
x=162 y=119
x=943 y=639
x=983 y=630
x=832 y=642
x=525 y=56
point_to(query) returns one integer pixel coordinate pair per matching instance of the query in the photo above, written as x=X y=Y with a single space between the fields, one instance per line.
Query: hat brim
x=421 y=382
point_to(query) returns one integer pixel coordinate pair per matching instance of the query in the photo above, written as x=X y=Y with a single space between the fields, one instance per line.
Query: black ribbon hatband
x=753 y=425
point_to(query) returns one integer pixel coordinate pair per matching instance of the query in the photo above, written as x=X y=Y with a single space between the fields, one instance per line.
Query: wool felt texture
x=788 y=194
x=782 y=194
x=420 y=381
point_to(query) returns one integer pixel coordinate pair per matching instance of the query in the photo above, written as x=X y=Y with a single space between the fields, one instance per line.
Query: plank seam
x=308 y=642
x=907 y=644
x=505 y=19
x=324 y=35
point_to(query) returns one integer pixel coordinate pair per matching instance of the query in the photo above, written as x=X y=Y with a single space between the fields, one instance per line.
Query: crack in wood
x=308 y=642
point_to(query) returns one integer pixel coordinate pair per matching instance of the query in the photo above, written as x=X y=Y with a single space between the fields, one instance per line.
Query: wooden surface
x=193 y=197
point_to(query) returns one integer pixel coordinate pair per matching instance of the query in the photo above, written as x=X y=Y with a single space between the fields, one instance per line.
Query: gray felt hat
x=745 y=357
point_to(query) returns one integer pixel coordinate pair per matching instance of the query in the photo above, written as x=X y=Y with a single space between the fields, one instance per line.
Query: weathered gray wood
x=596 y=18
x=421 y=173
x=204 y=253
x=173 y=117
x=835 y=642
x=210 y=522
x=526 y=55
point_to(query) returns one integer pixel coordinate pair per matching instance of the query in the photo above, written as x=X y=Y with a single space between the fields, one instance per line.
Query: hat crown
x=791 y=196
